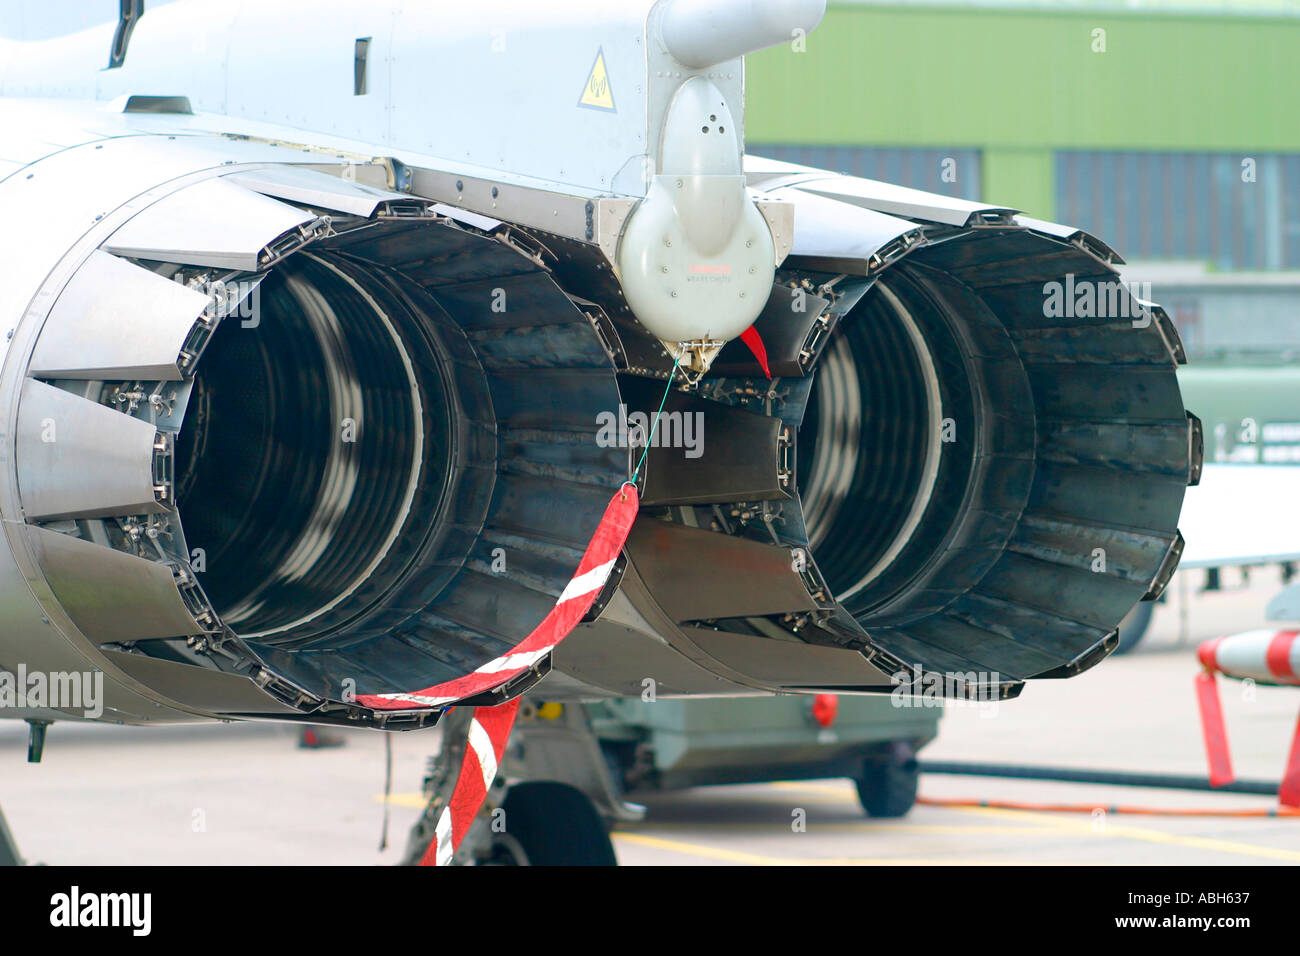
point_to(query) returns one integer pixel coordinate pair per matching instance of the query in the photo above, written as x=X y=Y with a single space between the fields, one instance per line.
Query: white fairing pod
x=697 y=258
x=701 y=33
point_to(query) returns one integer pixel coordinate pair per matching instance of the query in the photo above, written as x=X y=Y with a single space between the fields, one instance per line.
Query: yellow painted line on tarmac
x=1063 y=823
x=757 y=859
x=824 y=791
x=845 y=793
x=1145 y=834
x=417 y=801
x=695 y=849
x=865 y=826
x=1028 y=820
x=413 y=800
x=1047 y=822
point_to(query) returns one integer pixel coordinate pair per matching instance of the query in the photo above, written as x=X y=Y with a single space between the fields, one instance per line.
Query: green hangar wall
x=1182 y=106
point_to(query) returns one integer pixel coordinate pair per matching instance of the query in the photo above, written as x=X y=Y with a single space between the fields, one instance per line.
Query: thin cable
x=1122 y=778
x=388 y=787
x=655 y=426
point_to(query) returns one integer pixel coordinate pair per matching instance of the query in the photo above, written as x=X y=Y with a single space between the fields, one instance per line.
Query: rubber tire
x=556 y=825
x=1134 y=626
x=887 y=787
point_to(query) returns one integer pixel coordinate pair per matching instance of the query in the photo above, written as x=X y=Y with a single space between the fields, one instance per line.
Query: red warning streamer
x=755 y=342
x=490 y=727
x=488 y=733
x=573 y=603
x=1289 y=793
x=1216 y=734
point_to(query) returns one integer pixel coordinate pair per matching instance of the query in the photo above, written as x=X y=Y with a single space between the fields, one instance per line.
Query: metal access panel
x=705 y=451
x=317 y=190
x=869 y=193
x=768 y=585
x=116 y=320
x=837 y=237
x=199 y=687
x=79 y=459
x=789 y=663
x=528 y=108
x=111 y=596
x=212 y=223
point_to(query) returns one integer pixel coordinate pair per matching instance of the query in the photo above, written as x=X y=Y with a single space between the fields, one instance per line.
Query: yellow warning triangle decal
x=597 y=94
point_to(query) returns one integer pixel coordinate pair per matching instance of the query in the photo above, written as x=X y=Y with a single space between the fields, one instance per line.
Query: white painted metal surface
x=497 y=84
x=309 y=187
x=77 y=458
x=700 y=33
x=117 y=320
x=697 y=257
x=212 y=223
x=827 y=229
x=769 y=174
x=110 y=595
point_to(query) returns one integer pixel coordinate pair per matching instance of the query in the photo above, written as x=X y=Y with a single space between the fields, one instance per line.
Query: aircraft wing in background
x=1242 y=514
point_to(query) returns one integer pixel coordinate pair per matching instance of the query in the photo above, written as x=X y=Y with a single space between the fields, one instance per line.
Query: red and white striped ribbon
x=488 y=733
x=490 y=728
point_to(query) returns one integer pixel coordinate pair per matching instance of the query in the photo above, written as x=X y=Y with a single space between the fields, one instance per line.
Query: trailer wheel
x=552 y=824
x=887 y=787
x=1134 y=626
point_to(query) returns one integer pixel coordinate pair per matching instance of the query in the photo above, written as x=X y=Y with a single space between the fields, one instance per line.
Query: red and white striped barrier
x=490 y=728
x=1266 y=657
